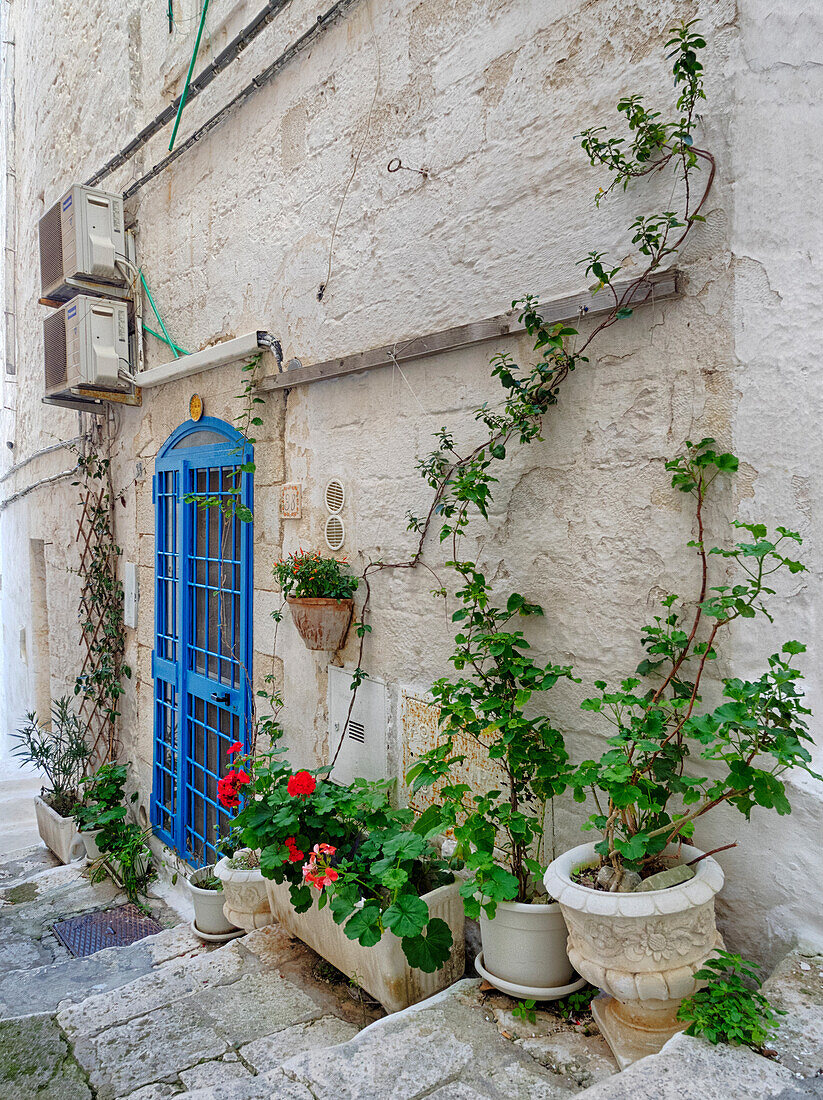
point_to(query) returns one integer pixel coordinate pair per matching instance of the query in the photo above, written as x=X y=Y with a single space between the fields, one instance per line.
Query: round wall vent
x=335 y=532
x=335 y=496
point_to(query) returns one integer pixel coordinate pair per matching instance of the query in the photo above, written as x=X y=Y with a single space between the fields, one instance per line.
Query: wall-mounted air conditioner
x=81 y=239
x=86 y=344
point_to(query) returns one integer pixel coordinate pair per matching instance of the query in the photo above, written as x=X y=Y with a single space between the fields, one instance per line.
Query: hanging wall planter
x=321 y=622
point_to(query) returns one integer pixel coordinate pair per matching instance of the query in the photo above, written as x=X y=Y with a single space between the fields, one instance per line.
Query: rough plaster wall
x=487 y=95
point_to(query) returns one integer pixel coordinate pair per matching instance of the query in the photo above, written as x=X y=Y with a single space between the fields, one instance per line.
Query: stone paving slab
x=152 y=989
x=692 y=1069
x=255 y=1005
x=449 y=1042
x=796 y=986
x=17 y=867
x=270 y=1052
x=36 y=1062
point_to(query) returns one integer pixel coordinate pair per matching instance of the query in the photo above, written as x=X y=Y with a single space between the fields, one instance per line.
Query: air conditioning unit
x=86 y=343
x=81 y=238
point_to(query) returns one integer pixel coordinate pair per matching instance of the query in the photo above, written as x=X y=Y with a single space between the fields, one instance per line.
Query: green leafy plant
x=344 y=846
x=525 y=1011
x=58 y=748
x=576 y=1004
x=752 y=738
x=729 y=1008
x=103 y=804
x=499 y=833
x=101 y=597
x=129 y=849
x=305 y=575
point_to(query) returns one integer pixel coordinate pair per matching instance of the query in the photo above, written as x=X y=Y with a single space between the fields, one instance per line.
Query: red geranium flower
x=236 y=747
x=228 y=788
x=301 y=784
x=295 y=855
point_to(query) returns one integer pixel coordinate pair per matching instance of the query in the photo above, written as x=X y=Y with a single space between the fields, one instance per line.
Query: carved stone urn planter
x=640 y=949
x=58 y=833
x=321 y=621
x=245 y=901
x=381 y=970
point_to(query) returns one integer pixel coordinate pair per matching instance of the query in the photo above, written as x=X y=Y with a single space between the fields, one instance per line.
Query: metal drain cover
x=111 y=928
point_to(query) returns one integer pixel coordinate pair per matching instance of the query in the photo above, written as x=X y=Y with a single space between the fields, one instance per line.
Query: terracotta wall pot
x=245 y=901
x=642 y=949
x=58 y=833
x=525 y=945
x=381 y=970
x=208 y=906
x=321 y=622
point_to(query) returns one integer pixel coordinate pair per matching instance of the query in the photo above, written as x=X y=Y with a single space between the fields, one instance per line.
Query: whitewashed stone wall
x=486 y=95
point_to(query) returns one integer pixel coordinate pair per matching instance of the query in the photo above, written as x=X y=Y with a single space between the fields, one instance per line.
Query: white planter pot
x=381 y=970
x=90 y=836
x=642 y=949
x=524 y=946
x=208 y=906
x=245 y=900
x=58 y=833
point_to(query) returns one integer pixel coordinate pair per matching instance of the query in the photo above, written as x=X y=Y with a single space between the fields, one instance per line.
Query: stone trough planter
x=58 y=833
x=641 y=949
x=245 y=899
x=381 y=970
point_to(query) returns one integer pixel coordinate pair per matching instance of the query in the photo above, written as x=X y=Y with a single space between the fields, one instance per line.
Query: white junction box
x=81 y=237
x=131 y=594
x=364 y=750
x=86 y=343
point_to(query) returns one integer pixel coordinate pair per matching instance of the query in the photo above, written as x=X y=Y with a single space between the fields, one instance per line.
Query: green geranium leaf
x=407 y=916
x=430 y=951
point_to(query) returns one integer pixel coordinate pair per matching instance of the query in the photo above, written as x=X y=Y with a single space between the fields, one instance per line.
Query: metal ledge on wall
x=573 y=307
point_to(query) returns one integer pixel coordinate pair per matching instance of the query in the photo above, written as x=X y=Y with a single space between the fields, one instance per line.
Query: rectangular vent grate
x=54 y=344
x=51 y=249
x=112 y=928
x=357 y=732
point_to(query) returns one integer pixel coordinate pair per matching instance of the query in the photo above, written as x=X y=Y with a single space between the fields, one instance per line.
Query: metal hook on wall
x=395 y=164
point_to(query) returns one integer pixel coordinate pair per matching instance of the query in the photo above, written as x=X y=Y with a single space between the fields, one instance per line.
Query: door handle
x=218 y=698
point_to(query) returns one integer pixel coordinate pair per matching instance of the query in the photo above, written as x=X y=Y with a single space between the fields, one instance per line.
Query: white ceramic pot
x=642 y=949
x=58 y=833
x=245 y=901
x=381 y=970
x=208 y=906
x=525 y=947
x=90 y=836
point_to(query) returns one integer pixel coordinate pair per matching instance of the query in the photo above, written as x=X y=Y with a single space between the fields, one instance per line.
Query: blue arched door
x=201 y=661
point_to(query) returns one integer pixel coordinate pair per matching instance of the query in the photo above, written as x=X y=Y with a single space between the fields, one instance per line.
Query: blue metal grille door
x=202 y=654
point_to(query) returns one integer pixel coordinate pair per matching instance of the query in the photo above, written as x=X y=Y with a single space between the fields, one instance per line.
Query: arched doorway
x=201 y=663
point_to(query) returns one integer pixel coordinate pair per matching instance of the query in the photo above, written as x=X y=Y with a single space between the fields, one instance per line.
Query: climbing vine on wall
x=100 y=681
x=462 y=480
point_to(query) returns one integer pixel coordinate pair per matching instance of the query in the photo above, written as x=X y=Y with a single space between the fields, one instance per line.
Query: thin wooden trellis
x=95 y=529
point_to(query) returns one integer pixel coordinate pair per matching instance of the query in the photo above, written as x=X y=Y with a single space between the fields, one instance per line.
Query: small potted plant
x=60 y=750
x=102 y=809
x=499 y=833
x=210 y=923
x=245 y=900
x=319 y=594
x=346 y=875
x=639 y=902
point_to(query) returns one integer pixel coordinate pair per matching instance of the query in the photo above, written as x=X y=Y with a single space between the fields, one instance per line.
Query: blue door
x=201 y=662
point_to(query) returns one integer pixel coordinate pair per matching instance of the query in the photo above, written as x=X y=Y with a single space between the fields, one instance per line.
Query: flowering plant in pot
x=499 y=833
x=245 y=901
x=640 y=902
x=343 y=869
x=60 y=750
x=319 y=593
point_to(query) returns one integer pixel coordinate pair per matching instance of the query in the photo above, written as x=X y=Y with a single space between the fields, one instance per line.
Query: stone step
x=25 y=863
x=454 y=1047
x=796 y=987
x=33 y=981
x=216 y=1025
